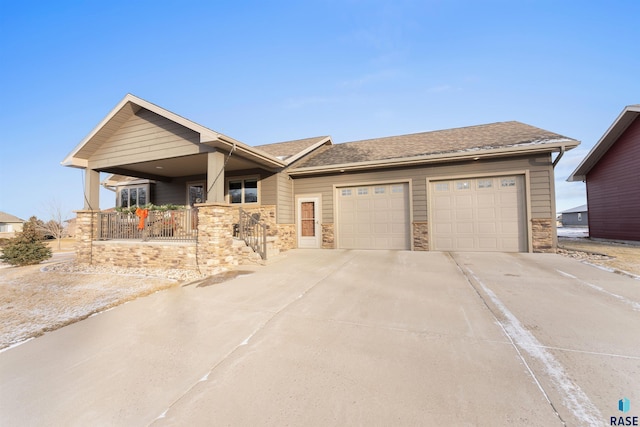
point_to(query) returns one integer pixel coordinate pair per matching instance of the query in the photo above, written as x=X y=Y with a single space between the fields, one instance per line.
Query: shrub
x=27 y=248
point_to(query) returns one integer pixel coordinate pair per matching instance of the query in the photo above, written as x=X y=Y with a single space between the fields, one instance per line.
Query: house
x=612 y=180
x=575 y=217
x=478 y=188
x=9 y=225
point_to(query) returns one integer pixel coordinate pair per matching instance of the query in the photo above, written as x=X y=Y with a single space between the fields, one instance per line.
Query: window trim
x=147 y=188
x=243 y=178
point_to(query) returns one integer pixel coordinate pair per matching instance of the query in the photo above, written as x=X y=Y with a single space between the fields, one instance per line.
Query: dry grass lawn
x=619 y=257
x=33 y=301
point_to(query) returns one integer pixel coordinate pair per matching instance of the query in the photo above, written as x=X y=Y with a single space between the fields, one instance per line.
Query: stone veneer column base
x=543 y=236
x=421 y=236
x=328 y=238
x=215 y=251
x=86 y=232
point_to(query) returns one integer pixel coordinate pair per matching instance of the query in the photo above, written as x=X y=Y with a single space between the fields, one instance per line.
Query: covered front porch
x=187 y=182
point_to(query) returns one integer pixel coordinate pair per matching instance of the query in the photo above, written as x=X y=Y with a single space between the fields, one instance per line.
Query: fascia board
x=438 y=158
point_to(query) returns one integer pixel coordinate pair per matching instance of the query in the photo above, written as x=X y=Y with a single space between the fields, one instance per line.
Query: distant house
x=9 y=225
x=575 y=217
x=610 y=171
x=478 y=188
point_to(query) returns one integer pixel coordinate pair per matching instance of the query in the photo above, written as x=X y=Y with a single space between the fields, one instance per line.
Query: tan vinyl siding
x=285 y=199
x=268 y=189
x=539 y=166
x=174 y=192
x=146 y=136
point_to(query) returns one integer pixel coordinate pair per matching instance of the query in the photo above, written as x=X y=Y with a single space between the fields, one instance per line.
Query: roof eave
x=231 y=145
x=617 y=128
x=437 y=158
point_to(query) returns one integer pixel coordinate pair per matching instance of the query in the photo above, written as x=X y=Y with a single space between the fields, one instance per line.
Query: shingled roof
x=8 y=218
x=290 y=151
x=455 y=141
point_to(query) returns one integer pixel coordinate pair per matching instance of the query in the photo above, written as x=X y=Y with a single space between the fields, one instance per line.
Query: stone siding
x=421 y=236
x=135 y=254
x=287 y=237
x=328 y=238
x=543 y=235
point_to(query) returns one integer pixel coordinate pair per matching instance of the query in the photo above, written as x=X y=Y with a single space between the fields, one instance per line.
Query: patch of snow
x=574 y=398
x=573 y=232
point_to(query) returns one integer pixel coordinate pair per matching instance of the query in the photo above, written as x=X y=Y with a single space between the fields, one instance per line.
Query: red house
x=610 y=171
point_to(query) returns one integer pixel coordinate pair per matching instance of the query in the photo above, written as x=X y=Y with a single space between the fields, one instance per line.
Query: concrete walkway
x=347 y=338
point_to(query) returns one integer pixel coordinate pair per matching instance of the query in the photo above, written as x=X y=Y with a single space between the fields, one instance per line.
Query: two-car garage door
x=471 y=214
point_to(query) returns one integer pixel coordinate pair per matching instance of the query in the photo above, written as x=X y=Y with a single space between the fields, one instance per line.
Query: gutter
x=560 y=154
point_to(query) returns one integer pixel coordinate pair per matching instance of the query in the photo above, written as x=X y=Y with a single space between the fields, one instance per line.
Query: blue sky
x=272 y=71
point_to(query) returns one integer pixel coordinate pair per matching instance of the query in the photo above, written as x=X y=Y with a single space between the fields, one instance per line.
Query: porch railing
x=172 y=225
x=253 y=232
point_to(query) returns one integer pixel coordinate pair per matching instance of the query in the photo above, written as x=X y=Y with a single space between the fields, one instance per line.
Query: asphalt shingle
x=482 y=137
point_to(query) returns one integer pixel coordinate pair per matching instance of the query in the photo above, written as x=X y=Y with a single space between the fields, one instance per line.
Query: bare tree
x=54 y=228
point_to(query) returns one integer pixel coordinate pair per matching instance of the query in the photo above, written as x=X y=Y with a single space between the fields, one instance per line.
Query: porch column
x=215 y=177
x=91 y=189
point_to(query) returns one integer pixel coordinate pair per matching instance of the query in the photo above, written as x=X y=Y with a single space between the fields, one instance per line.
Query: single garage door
x=479 y=214
x=373 y=217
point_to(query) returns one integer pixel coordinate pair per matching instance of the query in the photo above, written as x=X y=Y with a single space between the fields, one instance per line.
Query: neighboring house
x=575 y=217
x=478 y=188
x=612 y=179
x=9 y=225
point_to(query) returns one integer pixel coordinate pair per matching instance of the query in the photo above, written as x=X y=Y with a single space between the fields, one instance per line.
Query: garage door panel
x=376 y=218
x=487 y=228
x=464 y=227
x=463 y=214
x=478 y=214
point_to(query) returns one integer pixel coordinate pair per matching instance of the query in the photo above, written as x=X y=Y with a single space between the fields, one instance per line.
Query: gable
x=606 y=142
x=145 y=136
x=622 y=158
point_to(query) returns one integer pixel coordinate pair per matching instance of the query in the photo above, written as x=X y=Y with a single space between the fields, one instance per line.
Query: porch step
x=247 y=255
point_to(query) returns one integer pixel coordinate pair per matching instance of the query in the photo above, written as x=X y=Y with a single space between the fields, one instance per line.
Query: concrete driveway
x=347 y=338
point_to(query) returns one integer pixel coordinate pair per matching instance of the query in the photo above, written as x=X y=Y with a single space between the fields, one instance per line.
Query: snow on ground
x=573 y=231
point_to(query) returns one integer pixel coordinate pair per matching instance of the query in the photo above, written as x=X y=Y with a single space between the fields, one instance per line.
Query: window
x=463 y=185
x=397 y=188
x=379 y=190
x=243 y=190
x=485 y=183
x=196 y=193
x=131 y=196
x=442 y=186
x=508 y=182
x=363 y=191
x=579 y=216
x=345 y=192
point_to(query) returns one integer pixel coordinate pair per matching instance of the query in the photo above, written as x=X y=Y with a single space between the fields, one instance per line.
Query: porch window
x=243 y=190
x=131 y=196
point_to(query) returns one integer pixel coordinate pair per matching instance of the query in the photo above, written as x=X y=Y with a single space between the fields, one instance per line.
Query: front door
x=309 y=233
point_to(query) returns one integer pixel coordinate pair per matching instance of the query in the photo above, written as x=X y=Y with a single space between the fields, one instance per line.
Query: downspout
x=560 y=154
